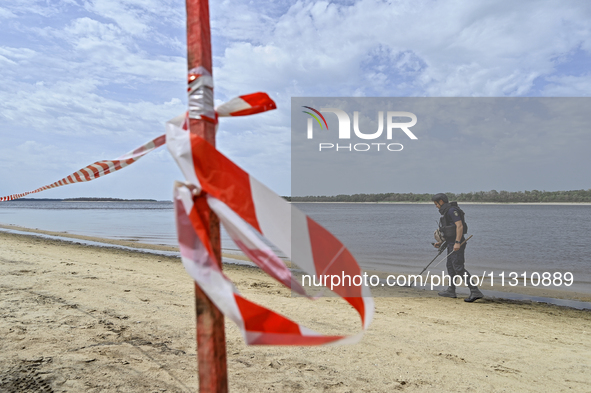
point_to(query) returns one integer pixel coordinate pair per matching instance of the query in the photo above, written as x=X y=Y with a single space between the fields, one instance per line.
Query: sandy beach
x=78 y=318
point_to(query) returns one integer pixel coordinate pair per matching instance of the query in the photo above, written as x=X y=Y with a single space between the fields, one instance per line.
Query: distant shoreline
x=463 y=203
x=83 y=200
x=123 y=200
x=492 y=196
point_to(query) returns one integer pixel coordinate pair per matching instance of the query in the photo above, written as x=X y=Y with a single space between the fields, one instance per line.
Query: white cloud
x=92 y=85
x=116 y=69
x=4 y=13
x=103 y=50
x=455 y=48
x=6 y=60
x=37 y=7
x=17 y=54
x=138 y=17
x=76 y=108
x=399 y=48
x=246 y=24
x=568 y=86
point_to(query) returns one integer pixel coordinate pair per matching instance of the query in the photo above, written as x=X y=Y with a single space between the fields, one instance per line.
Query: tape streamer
x=243 y=205
x=240 y=106
x=98 y=169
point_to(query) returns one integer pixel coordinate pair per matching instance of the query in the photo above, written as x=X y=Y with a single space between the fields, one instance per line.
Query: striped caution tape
x=241 y=203
x=243 y=206
x=239 y=106
x=98 y=169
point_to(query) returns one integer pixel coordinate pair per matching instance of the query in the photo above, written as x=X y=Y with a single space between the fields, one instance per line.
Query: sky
x=86 y=80
x=462 y=144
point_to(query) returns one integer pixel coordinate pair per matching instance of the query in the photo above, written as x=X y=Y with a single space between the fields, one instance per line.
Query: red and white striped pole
x=211 y=341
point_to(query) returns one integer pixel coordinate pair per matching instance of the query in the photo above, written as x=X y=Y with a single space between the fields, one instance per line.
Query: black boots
x=475 y=294
x=449 y=292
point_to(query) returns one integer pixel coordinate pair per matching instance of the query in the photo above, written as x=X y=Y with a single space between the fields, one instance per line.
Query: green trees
x=495 y=196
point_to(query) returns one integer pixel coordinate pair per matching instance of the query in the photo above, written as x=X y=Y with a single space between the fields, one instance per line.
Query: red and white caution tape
x=98 y=169
x=246 y=105
x=200 y=84
x=242 y=203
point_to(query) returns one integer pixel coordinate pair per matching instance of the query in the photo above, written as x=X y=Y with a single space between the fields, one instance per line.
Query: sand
x=77 y=318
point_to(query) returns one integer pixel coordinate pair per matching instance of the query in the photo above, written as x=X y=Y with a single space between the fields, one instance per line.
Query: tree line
x=82 y=199
x=533 y=196
x=94 y=199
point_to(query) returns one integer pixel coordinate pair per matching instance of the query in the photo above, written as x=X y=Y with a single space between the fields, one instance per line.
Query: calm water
x=383 y=237
x=396 y=237
x=149 y=222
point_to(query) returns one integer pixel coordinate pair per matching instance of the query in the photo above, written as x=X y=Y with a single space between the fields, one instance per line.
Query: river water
x=383 y=237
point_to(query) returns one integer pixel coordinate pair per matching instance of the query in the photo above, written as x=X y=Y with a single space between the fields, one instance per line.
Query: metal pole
x=211 y=341
x=441 y=249
x=452 y=251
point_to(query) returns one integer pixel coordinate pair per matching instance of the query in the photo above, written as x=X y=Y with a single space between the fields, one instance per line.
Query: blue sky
x=464 y=144
x=89 y=80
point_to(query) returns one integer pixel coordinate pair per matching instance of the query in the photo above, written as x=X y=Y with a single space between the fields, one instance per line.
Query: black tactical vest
x=447 y=226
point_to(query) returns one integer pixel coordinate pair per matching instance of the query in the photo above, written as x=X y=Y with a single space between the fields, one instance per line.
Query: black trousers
x=455 y=264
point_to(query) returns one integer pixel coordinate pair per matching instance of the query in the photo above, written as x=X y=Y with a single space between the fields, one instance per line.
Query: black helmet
x=440 y=197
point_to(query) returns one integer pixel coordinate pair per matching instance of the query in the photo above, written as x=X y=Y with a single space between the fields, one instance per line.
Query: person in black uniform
x=452 y=224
